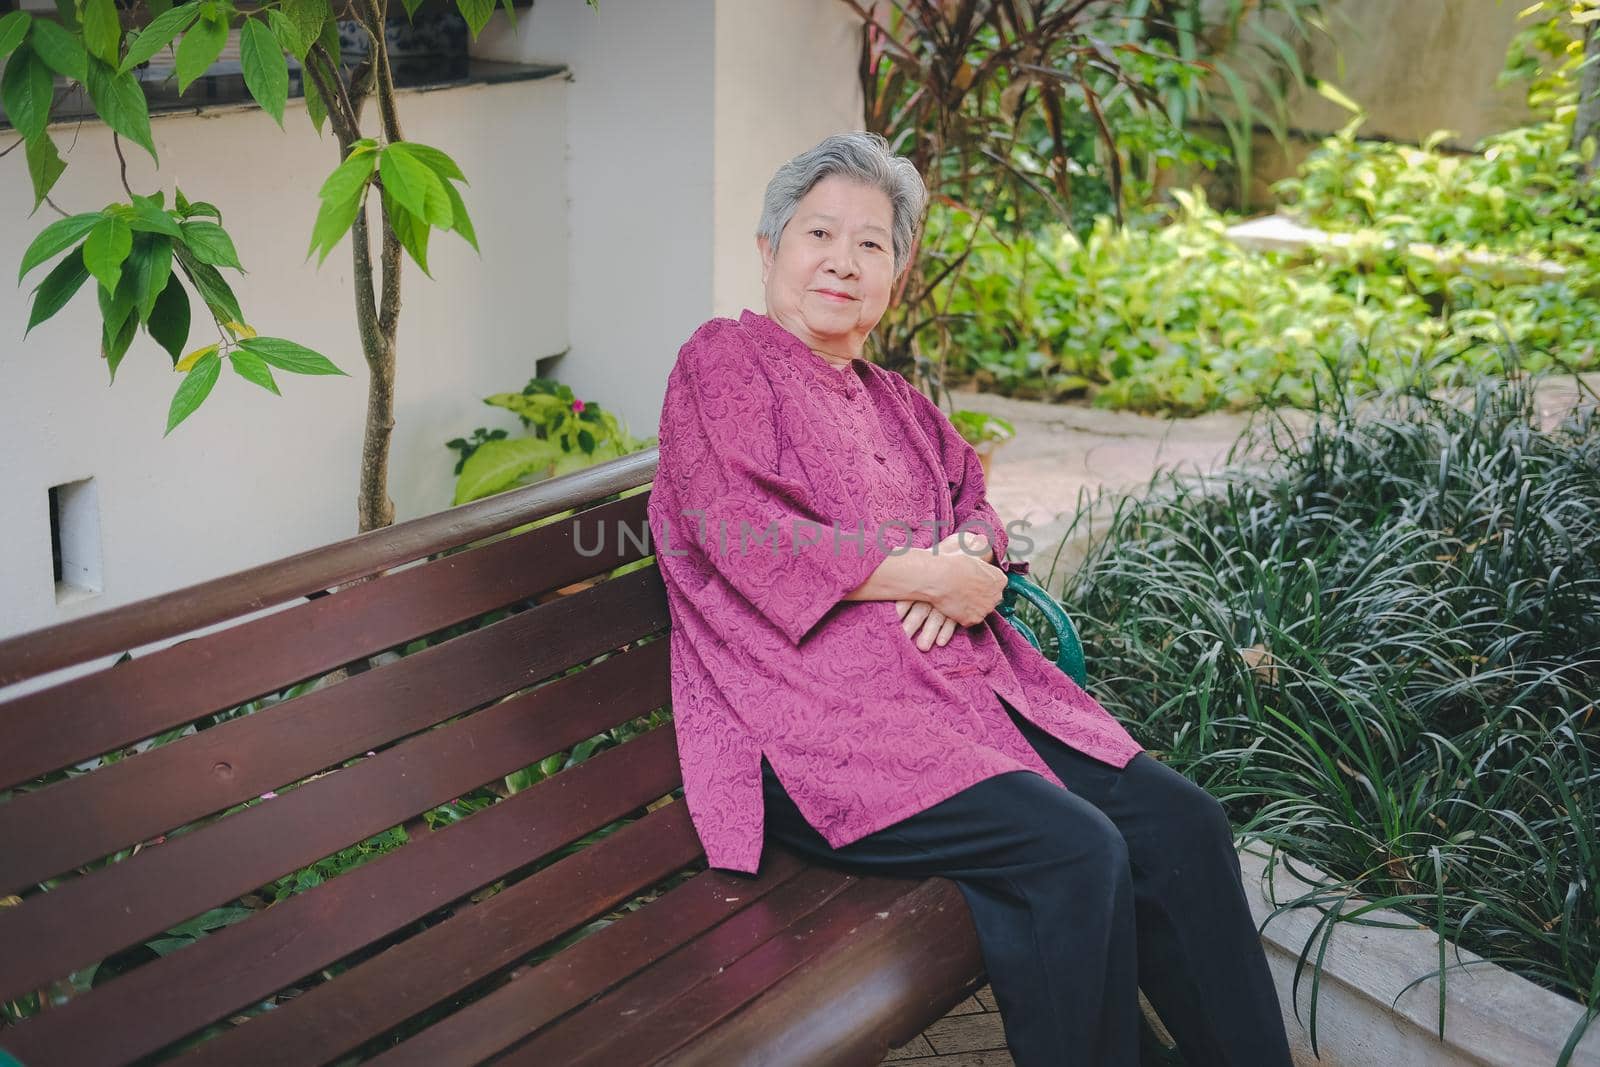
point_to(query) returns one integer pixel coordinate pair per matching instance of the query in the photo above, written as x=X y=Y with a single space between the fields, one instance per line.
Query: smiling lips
x=834 y=294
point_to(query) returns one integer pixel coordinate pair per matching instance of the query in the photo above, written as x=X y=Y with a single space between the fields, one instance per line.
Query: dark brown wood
x=170 y=615
x=337 y=1017
x=576 y=1035
x=504 y=1016
x=336 y=918
x=681 y=1007
x=869 y=992
x=116 y=706
x=116 y=906
x=83 y=819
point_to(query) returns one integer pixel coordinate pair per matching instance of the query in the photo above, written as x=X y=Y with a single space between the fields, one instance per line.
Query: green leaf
x=498 y=465
x=113 y=348
x=154 y=270
x=431 y=157
x=300 y=23
x=210 y=243
x=316 y=109
x=411 y=7
x=108 y=245
x=266 y=73
x=349 y=177
x=341 y=198
x=115 y=308
x=189 y=209
x=102 y=29
x=477 y=13
x=329 y=40
x=193 y=390
x=252 y=368
x=412 y=184
x=148 y=216
x=120 y=101
x=56 y=238
x=334 y=220
x=45 y=166
x=214 y=290
x=202 y=45
x=60 y=50
x=1331 y=92
x=58 y=287
x=461 y=222
x=161 y=32
x=168 y=321
x=411 y=232
x=286 y=355
x=26 y=91
x=13 y=28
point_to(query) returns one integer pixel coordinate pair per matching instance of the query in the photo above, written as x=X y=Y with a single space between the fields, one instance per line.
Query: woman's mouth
x=834 y=295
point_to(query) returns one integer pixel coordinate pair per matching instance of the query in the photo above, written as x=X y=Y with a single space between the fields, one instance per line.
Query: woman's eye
x=872 y=244
x=819 y=233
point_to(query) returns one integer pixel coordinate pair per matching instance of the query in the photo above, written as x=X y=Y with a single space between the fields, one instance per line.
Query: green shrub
x=1380 y=647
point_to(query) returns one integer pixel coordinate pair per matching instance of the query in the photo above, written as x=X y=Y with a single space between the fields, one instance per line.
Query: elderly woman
x=839 y=671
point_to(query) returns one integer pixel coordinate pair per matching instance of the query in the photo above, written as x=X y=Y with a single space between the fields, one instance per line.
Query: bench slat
x=707 y=981
x=570 y=1038
x=83 y=819
x=148 y=1009
x=878 y=988
x=96 y=713
x=107 y=910
x=169 y=615
x=506 y=1015
x=334 y=1018
x=676 y=1019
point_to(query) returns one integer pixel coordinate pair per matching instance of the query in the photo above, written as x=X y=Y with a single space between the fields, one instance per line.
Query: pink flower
x=268 y=795
x=577 y=405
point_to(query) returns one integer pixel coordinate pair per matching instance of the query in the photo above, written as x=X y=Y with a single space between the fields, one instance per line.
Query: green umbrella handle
x=1069 y=656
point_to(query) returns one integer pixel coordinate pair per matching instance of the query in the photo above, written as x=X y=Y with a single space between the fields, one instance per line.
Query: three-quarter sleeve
x=721 y=499
x=964 y=472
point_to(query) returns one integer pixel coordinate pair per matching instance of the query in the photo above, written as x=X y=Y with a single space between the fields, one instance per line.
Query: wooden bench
x=166 y=822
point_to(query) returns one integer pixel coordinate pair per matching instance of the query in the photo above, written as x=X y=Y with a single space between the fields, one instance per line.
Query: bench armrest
x=1069 y=654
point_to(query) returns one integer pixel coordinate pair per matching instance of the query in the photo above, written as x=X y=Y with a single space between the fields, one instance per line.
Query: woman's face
x=829 y=281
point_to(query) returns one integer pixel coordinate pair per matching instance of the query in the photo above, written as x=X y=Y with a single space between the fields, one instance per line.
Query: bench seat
x=410 y=798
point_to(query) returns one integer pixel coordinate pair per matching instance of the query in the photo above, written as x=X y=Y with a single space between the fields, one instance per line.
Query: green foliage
x=132 y=249
x=976 y=427
x=1180 y=319
x=1377 y=642
x=564 y=434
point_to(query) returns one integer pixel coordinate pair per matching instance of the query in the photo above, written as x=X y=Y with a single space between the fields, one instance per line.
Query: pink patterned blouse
x=783 y=484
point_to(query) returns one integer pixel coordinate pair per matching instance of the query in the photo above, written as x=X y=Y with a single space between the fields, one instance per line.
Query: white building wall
x=786 y=78
x=251 y=477
x=678 y=114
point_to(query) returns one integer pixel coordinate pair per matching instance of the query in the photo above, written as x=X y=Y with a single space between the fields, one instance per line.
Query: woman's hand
x=966 y=587
x=919 y=615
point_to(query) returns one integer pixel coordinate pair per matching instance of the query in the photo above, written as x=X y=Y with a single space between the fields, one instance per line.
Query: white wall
x=786 y=78
x=678 y=114
x=251 y=477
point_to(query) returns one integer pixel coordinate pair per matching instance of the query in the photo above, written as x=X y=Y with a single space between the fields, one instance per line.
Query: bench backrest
x=152 y=810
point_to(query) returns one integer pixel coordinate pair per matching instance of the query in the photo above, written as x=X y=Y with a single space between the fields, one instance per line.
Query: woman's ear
x=765 y=248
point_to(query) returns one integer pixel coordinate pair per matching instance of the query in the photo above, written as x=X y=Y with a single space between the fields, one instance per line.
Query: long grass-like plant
x=1378 y=642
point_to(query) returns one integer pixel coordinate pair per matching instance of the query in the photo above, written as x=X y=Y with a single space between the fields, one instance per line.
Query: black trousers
x=1126 y=879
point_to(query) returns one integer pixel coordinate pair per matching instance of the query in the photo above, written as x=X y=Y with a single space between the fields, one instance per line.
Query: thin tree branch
x=346 y=124
x=116 y=142
x=14 y=146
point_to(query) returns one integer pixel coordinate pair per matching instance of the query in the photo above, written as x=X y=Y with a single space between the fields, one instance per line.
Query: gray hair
x=859 y=156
